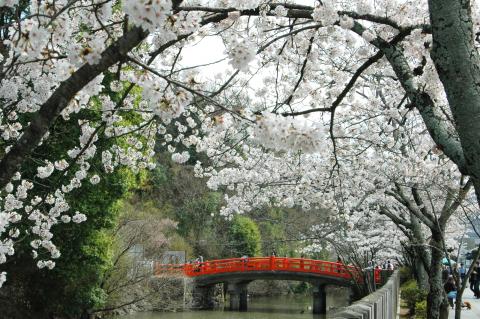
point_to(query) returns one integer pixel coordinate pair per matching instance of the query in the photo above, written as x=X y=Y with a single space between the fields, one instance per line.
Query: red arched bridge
x=276 y=265
x=236 y=273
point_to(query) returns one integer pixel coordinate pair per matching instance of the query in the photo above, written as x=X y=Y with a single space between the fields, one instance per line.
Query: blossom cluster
x=325 y=13
x=349 y=145
x=147 y=13
x=8 y=3
x=241 y=54
x=289 y=134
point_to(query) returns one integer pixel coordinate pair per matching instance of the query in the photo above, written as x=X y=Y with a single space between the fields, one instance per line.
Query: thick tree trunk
x=458 y=308
x=422 y=258
x=458 y=65
x=437 y=304
x=421 y=274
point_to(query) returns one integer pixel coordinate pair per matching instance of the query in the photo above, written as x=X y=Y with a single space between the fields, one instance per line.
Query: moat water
x=281 y=307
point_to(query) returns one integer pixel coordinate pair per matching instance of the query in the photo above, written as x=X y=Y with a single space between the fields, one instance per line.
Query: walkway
x=468 y=314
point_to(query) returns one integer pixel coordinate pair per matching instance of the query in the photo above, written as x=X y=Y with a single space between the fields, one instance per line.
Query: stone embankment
x=381 y=304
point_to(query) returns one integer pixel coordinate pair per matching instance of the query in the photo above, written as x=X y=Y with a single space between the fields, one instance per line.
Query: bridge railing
x=272 y=263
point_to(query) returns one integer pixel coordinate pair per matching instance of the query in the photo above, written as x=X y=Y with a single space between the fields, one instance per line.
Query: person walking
x=389 y=266
x=473 y=279
x=451 y=290
x=445 y=274
x=476 y=288
x=455 y=271
x=462 y=272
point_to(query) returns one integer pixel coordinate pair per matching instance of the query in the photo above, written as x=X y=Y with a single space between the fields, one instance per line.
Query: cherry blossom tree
x=325 y=104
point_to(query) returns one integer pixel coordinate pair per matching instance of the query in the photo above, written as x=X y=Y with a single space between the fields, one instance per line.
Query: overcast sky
x=211 y=49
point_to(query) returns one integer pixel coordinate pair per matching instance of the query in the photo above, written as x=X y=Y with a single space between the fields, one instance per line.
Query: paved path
x=468 y=314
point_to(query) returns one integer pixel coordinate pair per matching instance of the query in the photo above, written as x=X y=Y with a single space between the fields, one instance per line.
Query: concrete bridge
x=237 y=273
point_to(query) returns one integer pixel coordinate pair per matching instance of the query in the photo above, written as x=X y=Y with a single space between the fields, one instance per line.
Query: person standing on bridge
x=198 y=263
x=245 y=260
x=340 y=264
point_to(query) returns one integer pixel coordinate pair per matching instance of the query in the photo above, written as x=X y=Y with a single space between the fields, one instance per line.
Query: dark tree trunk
x=421 y=274
x=437 y=305
x=422 y=258
x=458 y=65
x=457 y=62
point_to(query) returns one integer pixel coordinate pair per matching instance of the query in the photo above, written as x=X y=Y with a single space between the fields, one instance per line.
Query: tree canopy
x=245 y=236
x=368 y=109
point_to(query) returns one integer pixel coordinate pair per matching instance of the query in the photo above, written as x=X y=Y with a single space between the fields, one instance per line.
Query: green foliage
x=245 y=237
x=421 y=310
x=75 y=285
x=272 y=232
x=197 y=213
x=141 y=234
x=280 y=227
x=412 y=295
x=179 y=243
x=176 y=194
x=322 y=254
x=405 y=274
x=300 y=288
x=158 y=176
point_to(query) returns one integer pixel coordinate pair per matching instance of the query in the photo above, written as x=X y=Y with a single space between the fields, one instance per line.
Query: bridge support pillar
x=203 y=297
x=238 y=296
x=319 y=299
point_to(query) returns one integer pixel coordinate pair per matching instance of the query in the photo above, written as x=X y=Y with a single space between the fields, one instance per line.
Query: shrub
x=405 y=274
x=421 y=310
x=246 y=239
x=412 y=295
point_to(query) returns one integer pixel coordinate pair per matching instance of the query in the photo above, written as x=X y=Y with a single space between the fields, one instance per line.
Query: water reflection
x=258 y=308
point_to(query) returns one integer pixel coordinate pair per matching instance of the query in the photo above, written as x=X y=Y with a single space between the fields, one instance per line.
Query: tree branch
x=59 y=100
x=397 y=220
x=441 y=133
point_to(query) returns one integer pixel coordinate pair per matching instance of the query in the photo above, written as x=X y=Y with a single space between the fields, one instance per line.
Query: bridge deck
x=273 y=264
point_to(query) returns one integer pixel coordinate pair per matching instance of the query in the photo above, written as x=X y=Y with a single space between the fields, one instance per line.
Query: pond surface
x=281 y=307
